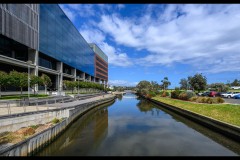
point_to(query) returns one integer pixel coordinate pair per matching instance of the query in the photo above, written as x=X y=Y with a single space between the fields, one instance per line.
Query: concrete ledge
x=226 y=129
x=32 y=144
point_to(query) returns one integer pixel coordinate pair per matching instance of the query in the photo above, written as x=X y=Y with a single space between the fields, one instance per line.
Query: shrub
x=148 y=96
x=193 y=99
x=152 y=94
x=209 y=100
x=201 y=100
x=183 y=96
x=190 y=95
x=175 y=93
x=219 y=100
x=186 y=95
x=164 y=94
x=55 y=121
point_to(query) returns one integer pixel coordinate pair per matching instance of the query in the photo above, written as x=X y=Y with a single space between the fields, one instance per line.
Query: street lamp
x=29 y=63
x=78 y=83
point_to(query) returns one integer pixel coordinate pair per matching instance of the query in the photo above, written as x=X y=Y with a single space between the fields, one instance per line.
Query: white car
x=229 y=94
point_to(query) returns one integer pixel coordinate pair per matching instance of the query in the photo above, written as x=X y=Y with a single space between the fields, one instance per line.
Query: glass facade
x=98 y=51
x=61 y=40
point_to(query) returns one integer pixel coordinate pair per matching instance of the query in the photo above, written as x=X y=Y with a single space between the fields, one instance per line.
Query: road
x=231 y=100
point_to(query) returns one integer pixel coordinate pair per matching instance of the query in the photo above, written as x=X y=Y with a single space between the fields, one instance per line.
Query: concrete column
x=74 y=73
x=33 y=56
x=83 y=76
x=60 y=69
x=90 y=78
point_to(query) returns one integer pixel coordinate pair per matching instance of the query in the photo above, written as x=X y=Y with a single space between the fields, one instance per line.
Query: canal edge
x=226 y=129
x=36 y=142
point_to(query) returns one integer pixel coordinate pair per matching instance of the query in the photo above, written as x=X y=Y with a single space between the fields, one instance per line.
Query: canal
x=132 y=126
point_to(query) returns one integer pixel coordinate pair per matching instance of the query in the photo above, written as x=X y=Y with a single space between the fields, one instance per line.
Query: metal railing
x=24 y=103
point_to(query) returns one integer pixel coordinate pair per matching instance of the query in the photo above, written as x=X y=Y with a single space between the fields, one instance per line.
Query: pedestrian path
x=24 y=109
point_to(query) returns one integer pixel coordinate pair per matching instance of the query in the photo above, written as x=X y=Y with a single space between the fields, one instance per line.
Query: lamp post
x=29 y=63
x=78 y=83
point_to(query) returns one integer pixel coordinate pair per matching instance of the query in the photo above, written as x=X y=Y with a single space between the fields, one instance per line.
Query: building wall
x=99 y=52
x=101 y=62
x=101 y=68
x=20 y=23
x=61 y=40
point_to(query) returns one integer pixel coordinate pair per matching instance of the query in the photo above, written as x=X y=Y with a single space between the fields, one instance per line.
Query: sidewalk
x=16 y=110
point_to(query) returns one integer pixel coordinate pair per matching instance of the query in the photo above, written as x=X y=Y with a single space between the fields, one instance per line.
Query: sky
x=153 y=41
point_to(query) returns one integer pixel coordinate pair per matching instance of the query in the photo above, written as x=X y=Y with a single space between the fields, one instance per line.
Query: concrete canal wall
x=230 y=131
x=34 y=143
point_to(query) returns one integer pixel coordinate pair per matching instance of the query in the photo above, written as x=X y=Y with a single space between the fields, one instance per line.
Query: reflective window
x=61 y=40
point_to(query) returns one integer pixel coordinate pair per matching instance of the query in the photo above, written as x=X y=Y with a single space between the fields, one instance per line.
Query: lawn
x=17 y=97
x=234 y=90
x=224 y=112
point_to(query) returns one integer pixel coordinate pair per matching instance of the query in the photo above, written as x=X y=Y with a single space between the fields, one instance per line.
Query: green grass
x=224 y=112
x=234 y=90
x=17 y=97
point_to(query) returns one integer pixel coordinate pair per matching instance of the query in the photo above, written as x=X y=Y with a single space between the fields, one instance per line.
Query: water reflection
x=144 y=106
x=137 y=127
x=85 y=133
x=119 y=97
x=232 y=145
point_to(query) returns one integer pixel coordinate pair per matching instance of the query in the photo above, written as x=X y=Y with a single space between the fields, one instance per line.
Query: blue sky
x=153 y=41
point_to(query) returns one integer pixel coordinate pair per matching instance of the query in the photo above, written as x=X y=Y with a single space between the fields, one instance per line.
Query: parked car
x=219 y=94
x=205 y=94
x=237 y=96
x=212 y=94
x=229 y=94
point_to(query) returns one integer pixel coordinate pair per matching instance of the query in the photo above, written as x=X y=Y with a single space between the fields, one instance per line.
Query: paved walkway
x=16 y=110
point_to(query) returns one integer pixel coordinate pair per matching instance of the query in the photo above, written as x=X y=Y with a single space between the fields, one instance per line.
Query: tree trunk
x=21 y=90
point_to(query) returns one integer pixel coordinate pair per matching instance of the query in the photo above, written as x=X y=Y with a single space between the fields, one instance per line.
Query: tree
x=143 y=87
x=70 y=84
x=235 y=83
x=183 y=83
x=165 y=83
x=198 y=82
x=18 y=79
x=3 y=81
x=220 y=87
x=155 y=86
x=46 y=81
x=35 y=80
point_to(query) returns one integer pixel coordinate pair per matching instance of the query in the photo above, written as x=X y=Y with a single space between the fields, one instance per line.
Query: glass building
x=44 y=35
x=60 y=39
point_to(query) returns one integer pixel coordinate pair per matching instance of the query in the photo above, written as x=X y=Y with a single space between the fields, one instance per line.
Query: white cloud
x=83 y=10
x=70 y=14
x=122 y=83
x=115 y=57
x=200 y=35
x=120 y=6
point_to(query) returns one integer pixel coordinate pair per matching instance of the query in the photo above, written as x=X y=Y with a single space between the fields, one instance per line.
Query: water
x=135 y=127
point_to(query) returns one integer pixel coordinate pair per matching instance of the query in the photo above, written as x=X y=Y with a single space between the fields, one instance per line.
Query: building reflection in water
x=84 y=134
